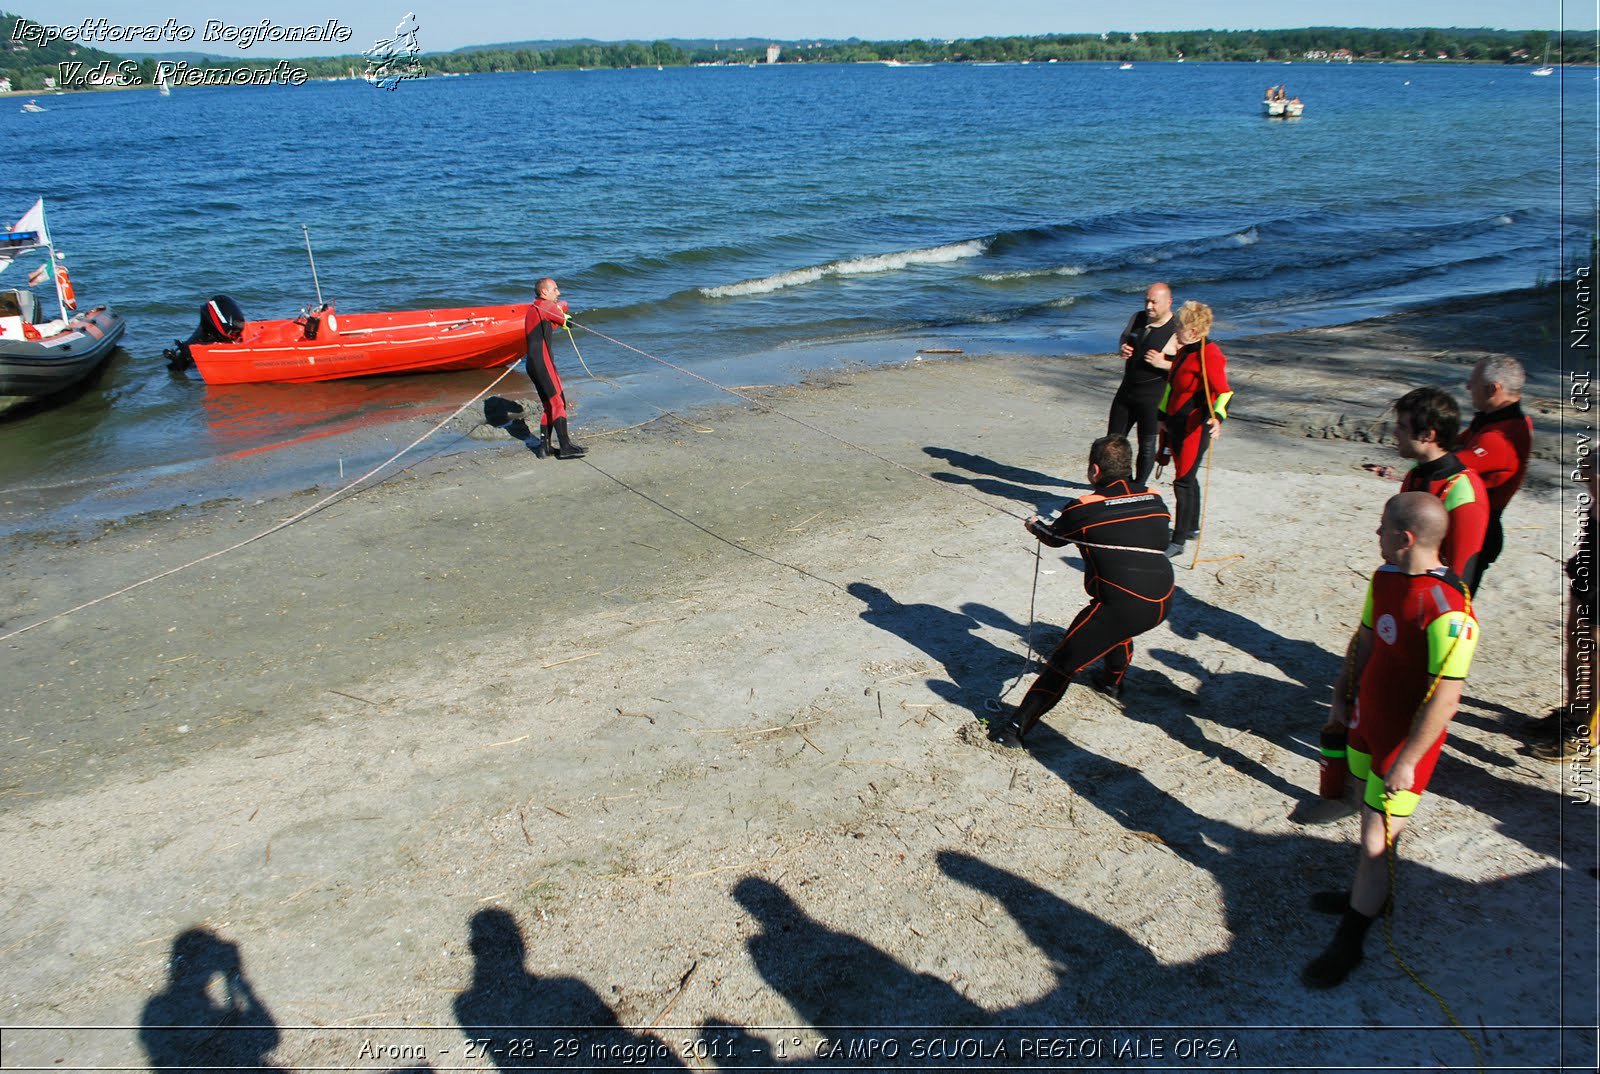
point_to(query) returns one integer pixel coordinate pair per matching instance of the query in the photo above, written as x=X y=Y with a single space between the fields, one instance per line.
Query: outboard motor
x=322 y=319
x=221 y=321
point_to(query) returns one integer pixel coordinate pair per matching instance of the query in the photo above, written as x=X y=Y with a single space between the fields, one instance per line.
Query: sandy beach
x=678 y=744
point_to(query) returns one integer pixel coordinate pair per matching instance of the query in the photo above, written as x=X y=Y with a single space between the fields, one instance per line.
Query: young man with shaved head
x=1412 y=654
x=1148 y=344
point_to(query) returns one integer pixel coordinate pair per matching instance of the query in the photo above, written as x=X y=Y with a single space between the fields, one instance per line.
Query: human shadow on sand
x=977 y=669
x=1001 y=480
x=1282 y=713
x=505 y=998
x=1303 y=662
x=857 y=995
x=1269 y=919
x=510 y=416
x=184 y=1028
x=839 y=983
x=982 y=464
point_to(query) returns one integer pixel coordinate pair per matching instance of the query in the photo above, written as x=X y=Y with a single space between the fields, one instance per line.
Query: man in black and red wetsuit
x=1148 y=344
x=1496 y=445
x=547 y=314
x=1130 y=585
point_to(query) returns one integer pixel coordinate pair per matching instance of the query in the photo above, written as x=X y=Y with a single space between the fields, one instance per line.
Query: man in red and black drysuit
x=1496 y=445
x=547 y=314
x=1130 y=586
x=1147 y=345
x=1425 y=424
x=1193 y=409
x=1413 y=651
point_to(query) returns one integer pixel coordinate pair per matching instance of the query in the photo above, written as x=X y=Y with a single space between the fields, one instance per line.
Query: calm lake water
x=755 y=223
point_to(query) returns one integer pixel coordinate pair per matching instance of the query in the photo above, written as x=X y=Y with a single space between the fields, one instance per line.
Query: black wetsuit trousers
x=1494 y=542
x=1132 y=407
x=1186 y=485
x=1105 y=628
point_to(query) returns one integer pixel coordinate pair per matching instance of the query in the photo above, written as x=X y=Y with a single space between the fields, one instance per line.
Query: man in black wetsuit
x=1148 y=344
x=1130 y=586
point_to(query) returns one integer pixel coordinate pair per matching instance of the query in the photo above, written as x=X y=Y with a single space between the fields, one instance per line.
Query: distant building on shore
x=772 y=53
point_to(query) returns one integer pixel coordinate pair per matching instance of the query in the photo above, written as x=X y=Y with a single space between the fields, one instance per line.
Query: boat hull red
x=367 y=345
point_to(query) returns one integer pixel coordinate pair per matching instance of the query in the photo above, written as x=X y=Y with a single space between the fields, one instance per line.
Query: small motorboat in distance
x=32 y=106
x=322 y=344
x=1279 y=105
x=39 y=358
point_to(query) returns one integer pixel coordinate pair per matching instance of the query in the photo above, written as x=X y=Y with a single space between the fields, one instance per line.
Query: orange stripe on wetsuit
x=1131 y=590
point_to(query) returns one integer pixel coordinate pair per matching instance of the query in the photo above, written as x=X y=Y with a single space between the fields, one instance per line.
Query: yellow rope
x=1205 y=495
x=1392 y=856
x=1388 y=936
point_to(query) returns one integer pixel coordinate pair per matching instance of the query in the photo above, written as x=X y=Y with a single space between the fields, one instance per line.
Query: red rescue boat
x=325 y=345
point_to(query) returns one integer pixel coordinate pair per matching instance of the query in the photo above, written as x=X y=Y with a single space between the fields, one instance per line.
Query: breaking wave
x=854 y=266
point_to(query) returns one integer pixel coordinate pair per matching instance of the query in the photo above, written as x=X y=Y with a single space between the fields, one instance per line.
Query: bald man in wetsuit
x=1413 y=651
x=1148 y=343
x=547 y=314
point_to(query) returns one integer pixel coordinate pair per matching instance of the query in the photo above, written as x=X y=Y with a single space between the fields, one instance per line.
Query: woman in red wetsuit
x=1193 y=409
x=547 y=314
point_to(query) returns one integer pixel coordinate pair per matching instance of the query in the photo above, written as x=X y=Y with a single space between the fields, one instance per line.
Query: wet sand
x=693 y=722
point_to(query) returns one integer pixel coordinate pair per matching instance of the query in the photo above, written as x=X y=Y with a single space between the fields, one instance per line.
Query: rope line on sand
x=730 y=542
x=285 y=524
x=992 y=704
x=770 y=409
x=758 y=404
x=1394 y=949
x=611 y=383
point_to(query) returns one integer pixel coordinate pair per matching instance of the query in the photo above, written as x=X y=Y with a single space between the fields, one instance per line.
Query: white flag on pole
x=32 y=220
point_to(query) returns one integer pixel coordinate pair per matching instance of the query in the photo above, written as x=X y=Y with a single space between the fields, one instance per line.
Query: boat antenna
x=313 y=260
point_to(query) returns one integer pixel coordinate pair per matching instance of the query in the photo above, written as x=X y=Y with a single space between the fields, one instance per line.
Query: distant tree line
x=1423 y=44
x=27 y=67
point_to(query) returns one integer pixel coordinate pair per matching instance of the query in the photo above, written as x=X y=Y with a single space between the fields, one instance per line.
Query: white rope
x=847 y=443
x=285 y=524
x=992 y=704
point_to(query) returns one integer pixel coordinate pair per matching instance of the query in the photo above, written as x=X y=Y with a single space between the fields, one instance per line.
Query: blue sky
x=447 y=25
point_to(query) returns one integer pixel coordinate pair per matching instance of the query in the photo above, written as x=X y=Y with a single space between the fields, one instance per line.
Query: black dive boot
x=567 y=449
x=541 y=449
x=1343 y=954
x=1012 y=731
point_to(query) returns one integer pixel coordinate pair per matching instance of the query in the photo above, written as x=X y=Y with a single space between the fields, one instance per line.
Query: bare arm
x=1426 y=728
